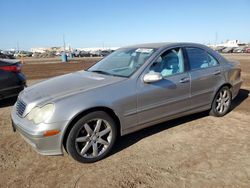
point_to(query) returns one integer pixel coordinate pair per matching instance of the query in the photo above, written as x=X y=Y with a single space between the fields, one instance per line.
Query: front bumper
x=33 y=134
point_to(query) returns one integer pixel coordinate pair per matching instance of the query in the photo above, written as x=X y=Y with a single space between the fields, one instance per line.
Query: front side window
x=123 y=62
x=169 y=63
x=199 y=58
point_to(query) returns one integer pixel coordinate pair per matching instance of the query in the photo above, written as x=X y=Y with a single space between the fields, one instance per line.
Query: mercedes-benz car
x=135 y=87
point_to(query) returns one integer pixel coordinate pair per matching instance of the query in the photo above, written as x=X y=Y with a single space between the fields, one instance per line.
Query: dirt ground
x=193 y=151
x=46 y=68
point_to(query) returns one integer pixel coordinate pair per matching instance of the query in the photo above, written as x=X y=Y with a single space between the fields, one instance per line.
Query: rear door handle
x=217 y=72
x=184 y=80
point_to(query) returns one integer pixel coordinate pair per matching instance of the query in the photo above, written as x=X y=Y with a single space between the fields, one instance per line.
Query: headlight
x=39 y=115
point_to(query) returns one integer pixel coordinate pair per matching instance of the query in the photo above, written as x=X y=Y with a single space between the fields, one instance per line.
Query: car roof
x=10 y=61
x=164 y=44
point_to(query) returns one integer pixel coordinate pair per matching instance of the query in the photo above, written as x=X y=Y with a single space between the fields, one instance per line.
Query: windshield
x=123 y=62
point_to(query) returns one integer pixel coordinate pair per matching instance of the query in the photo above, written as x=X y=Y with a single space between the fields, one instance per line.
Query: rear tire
x=222 y=102
x=92 y=137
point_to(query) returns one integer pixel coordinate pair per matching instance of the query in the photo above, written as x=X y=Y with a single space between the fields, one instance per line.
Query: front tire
x=92 y=137
x=222 y=102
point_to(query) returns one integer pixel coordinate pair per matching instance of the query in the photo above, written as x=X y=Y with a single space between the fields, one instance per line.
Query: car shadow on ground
x=128 y=140
x=7 y=102
x=243 y=95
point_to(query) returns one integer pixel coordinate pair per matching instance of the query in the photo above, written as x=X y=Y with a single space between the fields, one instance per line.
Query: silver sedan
x=132 y=88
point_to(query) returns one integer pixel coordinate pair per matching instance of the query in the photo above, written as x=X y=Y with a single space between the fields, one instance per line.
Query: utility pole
x=64 y=46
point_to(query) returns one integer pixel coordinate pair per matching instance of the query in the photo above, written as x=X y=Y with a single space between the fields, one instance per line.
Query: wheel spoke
x=227 y=103
x=88 y=129
x=105 y=131
x=225 y=106
x=227 y=98
x=86 y=148
x=103 y=142
x=221 y=95
x=224 y=93
x=98 y=125
x=218 y=106
x=95 y=149
x=82 y=139
x=221 y=108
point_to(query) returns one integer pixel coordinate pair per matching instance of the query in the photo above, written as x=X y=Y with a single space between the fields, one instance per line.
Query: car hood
x=66 y=85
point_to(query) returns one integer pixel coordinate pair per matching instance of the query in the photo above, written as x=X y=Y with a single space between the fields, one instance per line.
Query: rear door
x=206 y=77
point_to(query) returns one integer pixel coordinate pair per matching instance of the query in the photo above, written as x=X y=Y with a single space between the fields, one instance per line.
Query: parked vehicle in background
x=84 y=54
x=23 y=54
x=247 y=50
x=96 y=53
x=228 y=50
x=132 y=88
x=219 y=49
x=36 y=54
x=7 y=52
x=48 y=54
x=6 y=56
x=76 y=53
x=58 y=53
x=12 y=80
x=105 y=52
x=239 y=50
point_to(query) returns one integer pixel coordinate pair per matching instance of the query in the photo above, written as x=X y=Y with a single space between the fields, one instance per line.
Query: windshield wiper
x=101 y=72
x=106 y=73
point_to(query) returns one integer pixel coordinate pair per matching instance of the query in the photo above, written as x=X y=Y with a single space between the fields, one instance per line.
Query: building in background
x=229 y=44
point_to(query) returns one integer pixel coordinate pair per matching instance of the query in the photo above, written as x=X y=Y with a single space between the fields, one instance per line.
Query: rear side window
x=199 y=58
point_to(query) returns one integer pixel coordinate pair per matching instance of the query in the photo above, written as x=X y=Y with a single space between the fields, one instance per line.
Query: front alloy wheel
x=92 y=137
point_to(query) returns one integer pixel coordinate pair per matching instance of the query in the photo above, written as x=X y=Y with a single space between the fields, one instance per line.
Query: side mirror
x=152 y=77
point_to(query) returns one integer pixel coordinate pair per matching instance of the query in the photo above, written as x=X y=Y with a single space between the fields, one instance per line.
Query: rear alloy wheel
x=222 y=102
x=92 y=137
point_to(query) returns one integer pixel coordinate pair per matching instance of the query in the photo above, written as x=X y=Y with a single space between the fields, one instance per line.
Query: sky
x=115 y=23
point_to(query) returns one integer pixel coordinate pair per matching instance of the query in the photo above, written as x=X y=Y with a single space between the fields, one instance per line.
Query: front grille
x=20 y=107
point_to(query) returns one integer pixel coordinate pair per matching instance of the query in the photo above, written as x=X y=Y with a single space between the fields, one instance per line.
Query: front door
x=168 y=96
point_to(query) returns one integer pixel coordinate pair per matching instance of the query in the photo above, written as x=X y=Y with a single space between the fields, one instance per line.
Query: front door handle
x=217 y=72
x=184 y=80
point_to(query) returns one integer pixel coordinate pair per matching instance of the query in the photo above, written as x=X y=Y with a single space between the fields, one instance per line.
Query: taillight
x=12 y=68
